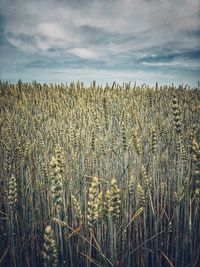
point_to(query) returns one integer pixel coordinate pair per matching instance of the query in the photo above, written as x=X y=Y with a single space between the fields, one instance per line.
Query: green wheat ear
x=12 y=193
x=93 y=204
x=141 y=197
x=136 y=142
x=195 y=148
x=77 y=208
x=124 y=136
x=113 y=200
x=59 y=154
x=131 y=185
x=50 y=252
x=176 y=115
x=56 y=184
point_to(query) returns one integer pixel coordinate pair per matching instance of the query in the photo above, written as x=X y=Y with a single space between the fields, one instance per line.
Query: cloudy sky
x=103 y=40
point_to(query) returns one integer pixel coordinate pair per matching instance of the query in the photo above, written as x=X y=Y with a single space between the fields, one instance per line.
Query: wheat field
x=99 y=175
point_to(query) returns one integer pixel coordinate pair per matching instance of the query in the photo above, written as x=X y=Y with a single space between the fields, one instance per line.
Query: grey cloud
x=105 y=21
x=109 y=33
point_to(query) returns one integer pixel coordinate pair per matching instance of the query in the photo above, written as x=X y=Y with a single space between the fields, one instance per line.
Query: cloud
x=132 y=24
x=180 y=64
x=106 y=34
x=18 y=42
x=84 y=53
x=52 y=30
